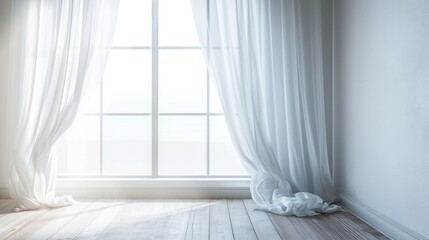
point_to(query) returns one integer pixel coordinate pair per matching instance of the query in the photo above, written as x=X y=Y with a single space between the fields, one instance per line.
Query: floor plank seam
x=250 y=220
x=209 y=221
x=230 y=221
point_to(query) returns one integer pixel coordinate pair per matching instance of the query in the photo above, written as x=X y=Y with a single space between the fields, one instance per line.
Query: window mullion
x=155 y=88
x=208 y=91
x=101 y=127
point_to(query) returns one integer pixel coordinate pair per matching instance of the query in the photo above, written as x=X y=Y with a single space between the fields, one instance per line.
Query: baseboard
x=379 y=221
x=4 y=193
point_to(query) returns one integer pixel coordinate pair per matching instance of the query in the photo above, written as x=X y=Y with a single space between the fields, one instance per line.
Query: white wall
x=4 y=48
x=381 y=117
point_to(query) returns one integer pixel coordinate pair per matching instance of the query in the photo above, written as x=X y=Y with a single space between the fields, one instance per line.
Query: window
x=156 y=113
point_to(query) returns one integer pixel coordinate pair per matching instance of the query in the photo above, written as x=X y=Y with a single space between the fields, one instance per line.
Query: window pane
x=182 y=82
x=127 y=84
x=176 y=24
x=182 y=145
x=224 y=159
x=215 y=104
x=78 y=150
x=134 y=24
x=127 y=148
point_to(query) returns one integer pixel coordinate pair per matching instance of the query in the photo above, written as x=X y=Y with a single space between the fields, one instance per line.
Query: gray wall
x=4 y=49
x=327 y=6
x=381 y=118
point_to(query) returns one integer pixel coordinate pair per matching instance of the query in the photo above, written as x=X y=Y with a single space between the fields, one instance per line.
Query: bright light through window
x=156 y=113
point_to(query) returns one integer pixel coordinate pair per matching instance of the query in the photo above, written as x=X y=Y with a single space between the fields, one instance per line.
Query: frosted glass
x=127 y=84
x=134 y=23
x=78 y=150
x=176 y=24
x=224 y=160
x=182 y=81
x=127 y=148
x=182 y=145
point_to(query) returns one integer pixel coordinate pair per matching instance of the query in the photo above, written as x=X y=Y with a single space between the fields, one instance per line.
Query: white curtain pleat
x=265 y=58
x=58 y=51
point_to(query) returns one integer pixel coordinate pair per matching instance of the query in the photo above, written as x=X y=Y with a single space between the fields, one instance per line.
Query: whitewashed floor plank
x=241 y=225
x=284 y=227
x=13 y=222
x=307 y=228
x=168 y=209
x=175 y=219
x=48 y=224
x=97 y=226
x=146 y=219
x=78 y=223
x=121 y=226
x=220 y=222
x=261 y=222
x=362 y=225
x=178 y=222
x=198 y=224
x=321 y=222
x=349 y=226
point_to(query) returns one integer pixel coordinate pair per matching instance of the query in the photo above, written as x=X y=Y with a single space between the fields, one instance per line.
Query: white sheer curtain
x=57 y=49
x=266 y=61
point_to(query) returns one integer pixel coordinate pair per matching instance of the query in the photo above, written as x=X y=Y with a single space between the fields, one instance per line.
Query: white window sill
x=154 y=187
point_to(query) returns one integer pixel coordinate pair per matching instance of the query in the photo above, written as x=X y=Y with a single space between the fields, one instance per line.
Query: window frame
x=219 y=180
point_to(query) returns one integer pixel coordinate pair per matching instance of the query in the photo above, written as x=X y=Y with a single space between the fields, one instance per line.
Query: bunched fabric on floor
x=266 y=60
x=58 y=49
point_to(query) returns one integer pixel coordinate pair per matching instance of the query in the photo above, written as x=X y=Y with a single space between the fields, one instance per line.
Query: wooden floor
x=174 y=219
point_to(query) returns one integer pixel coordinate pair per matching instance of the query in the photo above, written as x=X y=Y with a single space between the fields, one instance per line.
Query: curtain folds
x=266 y=60
x=58 y=50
